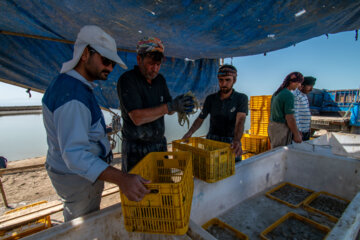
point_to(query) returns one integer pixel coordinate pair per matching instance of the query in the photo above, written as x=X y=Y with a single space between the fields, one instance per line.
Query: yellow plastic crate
x=262 y=116
x=315 y=196
x=27 y=229
x=247 y=155
x=254 y=143
x=212 y=160
x=259 y=128
x=298 y=217
x=167 y=208
x=260 y=102
x=269 y=194
x=226 y=227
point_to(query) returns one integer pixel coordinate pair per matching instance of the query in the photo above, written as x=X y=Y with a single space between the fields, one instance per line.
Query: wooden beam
x=3 y=194
x=5 y=171
x=22 y=217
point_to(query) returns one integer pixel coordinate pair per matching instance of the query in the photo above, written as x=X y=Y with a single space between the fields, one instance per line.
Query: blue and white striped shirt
x=75 y=127
x=302 y=111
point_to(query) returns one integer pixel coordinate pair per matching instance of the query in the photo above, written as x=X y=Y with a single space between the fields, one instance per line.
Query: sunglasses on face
x=105 y=61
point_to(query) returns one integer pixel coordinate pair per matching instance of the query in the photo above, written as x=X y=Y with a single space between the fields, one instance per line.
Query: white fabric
x=99 y=40
x=302 y=111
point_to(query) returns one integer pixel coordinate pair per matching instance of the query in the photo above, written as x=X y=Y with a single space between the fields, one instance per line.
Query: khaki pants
x=79 y=195
x=279 y=134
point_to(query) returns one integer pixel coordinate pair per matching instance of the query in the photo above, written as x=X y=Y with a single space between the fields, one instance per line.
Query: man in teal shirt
x=282 y=126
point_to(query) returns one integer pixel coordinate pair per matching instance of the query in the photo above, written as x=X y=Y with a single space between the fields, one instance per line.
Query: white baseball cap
x=102 y=42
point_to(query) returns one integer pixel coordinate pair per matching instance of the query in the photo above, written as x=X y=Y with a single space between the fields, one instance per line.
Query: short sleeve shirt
x=282 y=104
x=302 y=111
x=136 y=93
x=223 y=112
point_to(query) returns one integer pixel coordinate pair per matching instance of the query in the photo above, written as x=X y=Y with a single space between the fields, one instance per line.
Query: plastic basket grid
x=212 y=160
x=315 y=210
x=260 y=116
x=259 y=128
x=221 y=224
x=268 y=194
x=27 y=229
x=260 y=102
x=254 y=143
x=298 y=217
x=167 y=208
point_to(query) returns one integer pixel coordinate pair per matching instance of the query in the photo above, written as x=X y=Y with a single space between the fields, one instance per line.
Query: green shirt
x=282 y=104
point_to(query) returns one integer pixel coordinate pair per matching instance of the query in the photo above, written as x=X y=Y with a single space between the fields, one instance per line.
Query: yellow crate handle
x=154 y=191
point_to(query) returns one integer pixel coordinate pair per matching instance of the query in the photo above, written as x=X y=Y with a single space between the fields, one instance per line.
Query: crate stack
x=257 y=141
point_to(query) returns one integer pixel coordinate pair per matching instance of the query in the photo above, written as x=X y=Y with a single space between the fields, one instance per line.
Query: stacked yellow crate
x=257 y=141
x=259 y=114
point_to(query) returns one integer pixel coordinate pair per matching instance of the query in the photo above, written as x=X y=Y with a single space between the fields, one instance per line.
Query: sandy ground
x=31 y=186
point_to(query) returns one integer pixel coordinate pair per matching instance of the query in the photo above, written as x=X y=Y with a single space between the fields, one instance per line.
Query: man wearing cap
x=144 y=100
x=228 y=110
x=79 y=152
x=302 y=108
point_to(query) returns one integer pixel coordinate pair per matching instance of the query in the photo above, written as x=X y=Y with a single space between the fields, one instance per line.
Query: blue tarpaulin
x=195 y=34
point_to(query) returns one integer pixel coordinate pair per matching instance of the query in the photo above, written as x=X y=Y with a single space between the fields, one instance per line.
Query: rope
x=50 y=39
x=115 y=126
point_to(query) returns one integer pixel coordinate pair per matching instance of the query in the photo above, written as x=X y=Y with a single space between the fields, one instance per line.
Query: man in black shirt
x=144 y=100
x=228 y=110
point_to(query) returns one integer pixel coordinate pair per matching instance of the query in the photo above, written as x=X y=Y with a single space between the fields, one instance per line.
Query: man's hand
x=133 y=187
x=237 y=148
x=181 y=104
x=187 y=135
x=297 y=138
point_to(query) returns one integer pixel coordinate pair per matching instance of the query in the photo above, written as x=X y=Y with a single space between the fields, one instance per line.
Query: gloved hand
x=181 y=104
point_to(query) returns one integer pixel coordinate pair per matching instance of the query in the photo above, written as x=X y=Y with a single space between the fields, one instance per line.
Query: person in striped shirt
x=302 y=108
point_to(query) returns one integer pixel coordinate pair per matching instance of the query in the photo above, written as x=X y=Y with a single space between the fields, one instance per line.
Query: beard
x=99 y=75
x=95 y=72
x=151 y=75
x=225 y=90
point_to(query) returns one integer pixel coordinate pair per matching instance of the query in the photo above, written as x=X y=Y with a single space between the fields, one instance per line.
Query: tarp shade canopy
x=34 y=63
x=201 y=30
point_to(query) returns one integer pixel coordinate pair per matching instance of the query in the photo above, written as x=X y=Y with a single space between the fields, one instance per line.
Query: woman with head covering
x=282 y=126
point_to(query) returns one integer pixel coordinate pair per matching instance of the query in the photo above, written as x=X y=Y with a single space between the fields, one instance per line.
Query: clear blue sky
x=335 y=62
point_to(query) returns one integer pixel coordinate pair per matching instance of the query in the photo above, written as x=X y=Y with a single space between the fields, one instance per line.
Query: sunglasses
x=105 y=61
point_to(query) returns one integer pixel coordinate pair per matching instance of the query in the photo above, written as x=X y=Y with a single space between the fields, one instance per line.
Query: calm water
x=24 y=136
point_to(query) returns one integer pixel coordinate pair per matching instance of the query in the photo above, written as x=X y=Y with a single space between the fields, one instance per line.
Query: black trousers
x=133 y=152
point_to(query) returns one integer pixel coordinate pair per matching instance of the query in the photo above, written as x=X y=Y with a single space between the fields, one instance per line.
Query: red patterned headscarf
x=292 y=77
x=227 y=70
x=150 y=44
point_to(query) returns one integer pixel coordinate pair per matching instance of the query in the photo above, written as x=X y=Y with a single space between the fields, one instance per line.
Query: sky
x=333 y=60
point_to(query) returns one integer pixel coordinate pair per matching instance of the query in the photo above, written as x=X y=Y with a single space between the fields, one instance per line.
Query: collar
x=297 y=92
x=73 y=73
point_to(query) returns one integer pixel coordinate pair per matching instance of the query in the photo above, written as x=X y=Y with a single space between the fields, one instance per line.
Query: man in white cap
x=79 y=152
